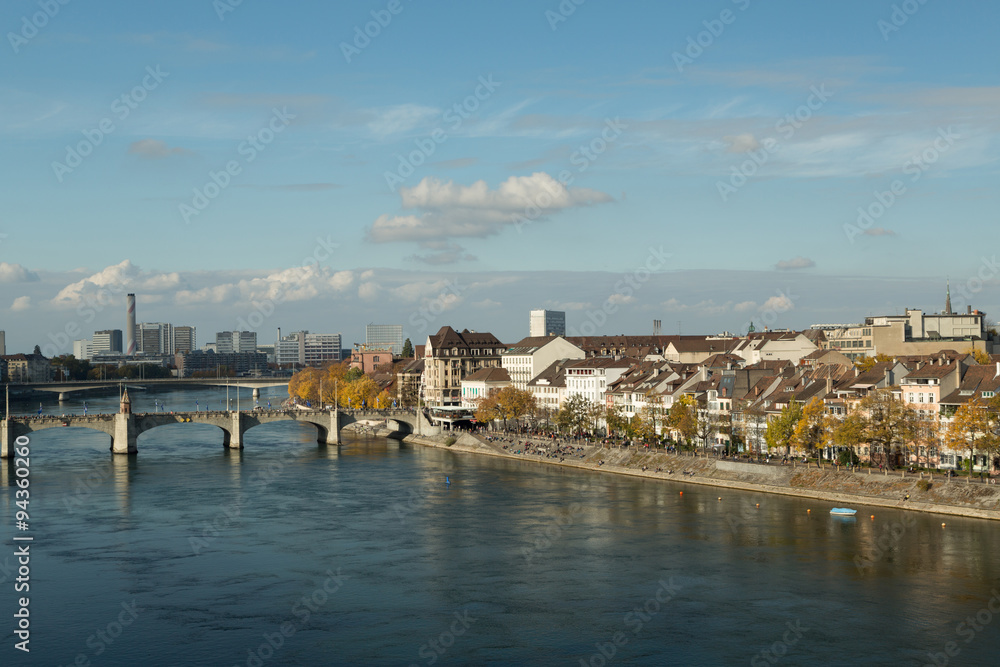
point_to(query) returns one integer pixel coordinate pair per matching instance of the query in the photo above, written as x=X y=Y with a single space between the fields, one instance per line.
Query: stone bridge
x=125 y=429
x=64 y=388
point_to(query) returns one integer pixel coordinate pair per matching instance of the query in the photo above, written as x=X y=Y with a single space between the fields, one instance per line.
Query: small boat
x=843 y=511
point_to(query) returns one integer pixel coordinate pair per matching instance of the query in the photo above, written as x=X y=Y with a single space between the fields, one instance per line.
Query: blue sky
x=745 y=158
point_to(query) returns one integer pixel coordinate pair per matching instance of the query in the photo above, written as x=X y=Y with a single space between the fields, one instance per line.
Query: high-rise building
x=3 y=343
x=547 y=323
x=185 y=339
x=155 y=338
x=105 y=342
x=234 y=342
x=385 y=336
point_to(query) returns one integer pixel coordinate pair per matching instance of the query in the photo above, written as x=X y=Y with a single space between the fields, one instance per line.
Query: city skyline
x=297 y=173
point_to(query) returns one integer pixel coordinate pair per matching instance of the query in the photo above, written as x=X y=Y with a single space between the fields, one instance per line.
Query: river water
x=292 y=553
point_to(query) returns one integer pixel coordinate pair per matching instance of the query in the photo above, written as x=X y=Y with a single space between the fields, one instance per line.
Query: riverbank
x=838 y=487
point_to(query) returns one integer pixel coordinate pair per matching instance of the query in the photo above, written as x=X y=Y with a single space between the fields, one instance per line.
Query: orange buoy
x=942 y=525
x=758 y=505
x=873 y=517
x=808 y=511
x=682 y=493
x=720 y=498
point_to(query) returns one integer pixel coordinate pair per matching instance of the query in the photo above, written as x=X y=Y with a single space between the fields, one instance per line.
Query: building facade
x=108 y=341
x=185 y=339
x=235 y=342
x=450 y=356
x=528 y=357
x=381 y=336
x=546 y=323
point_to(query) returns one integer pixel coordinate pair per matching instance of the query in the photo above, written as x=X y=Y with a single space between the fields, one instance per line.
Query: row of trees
x=891 y=429
x=338 y=382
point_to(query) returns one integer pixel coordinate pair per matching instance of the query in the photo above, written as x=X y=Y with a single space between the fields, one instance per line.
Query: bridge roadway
x=125 y=429
x=63 y=388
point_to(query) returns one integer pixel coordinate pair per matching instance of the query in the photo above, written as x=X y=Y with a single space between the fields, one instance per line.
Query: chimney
x=888 y=377
x=130 y=325
x=968 y=309
x=829 y=384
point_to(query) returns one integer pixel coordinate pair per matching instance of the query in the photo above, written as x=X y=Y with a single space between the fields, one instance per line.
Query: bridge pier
x=6 y=439
x=234 y=435
x=126 y=436
x=256 y=393
x=62 y=397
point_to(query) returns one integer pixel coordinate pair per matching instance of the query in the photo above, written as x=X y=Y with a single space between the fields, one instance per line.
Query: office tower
x=547 y=323
x=385 y=336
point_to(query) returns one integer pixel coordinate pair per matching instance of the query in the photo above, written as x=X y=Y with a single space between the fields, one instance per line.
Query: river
x=292 y=553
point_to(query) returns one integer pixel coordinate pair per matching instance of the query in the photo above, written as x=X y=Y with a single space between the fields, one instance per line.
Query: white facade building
x=546 y=323
x=526 y=359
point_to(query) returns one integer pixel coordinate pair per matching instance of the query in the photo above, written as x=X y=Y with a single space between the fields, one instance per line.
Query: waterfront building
x=450 y=356
x=240 y=363
x=530 y=356
x=408 y=382
x=590 y=377
x=481 y=384
x=28 y=368
x=368 y=359
x=543 y=323
x=381 y=336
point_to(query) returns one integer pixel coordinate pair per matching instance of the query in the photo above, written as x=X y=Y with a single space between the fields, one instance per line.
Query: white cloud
x=779 y=304
x=620 y=299
x=745 y=306
x=794 y=264
x=741 y=143
x=15 y=273
x=368 y=291
x=449 y=210
x=112 y=279
x=21 y=303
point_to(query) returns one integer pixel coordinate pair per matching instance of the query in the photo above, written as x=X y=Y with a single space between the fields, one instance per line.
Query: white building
x=106 y=342
x=529 y=357
x=82 y=349
x=230 y=342
x=306 y=349
x=546 y=323
x=590 y=377
x=479 y=385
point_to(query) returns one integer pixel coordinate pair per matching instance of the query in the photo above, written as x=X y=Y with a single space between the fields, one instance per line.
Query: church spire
x=947 y=299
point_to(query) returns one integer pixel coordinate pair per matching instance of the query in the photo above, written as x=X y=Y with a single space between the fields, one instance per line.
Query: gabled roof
x=488 y=375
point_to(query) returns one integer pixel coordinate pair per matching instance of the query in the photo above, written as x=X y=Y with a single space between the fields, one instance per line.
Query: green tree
x=781 y=429
x=573 y=416
x=969 y=427
x=407 y=349
x=683 y=418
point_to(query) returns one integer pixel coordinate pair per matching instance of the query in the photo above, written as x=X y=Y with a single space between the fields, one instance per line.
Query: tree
x=683 y=419
x=707 y=425
x=970 y=424
x=574 y=413
x=616 y=420
x=849 y=432
x=486 y=408
x=981 y=356
x=866 y=363
x=889 y=424
x=781 y=429
x=37 y=350
x=809 y=430
x=407 y=349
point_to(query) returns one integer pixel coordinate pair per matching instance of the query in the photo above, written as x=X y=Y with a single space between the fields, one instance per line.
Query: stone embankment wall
x=838 y=487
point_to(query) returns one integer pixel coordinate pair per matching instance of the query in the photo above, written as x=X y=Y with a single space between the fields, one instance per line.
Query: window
x=988 y=394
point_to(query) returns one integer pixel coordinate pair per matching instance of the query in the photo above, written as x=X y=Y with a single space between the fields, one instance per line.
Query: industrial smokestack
x=130 y=324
